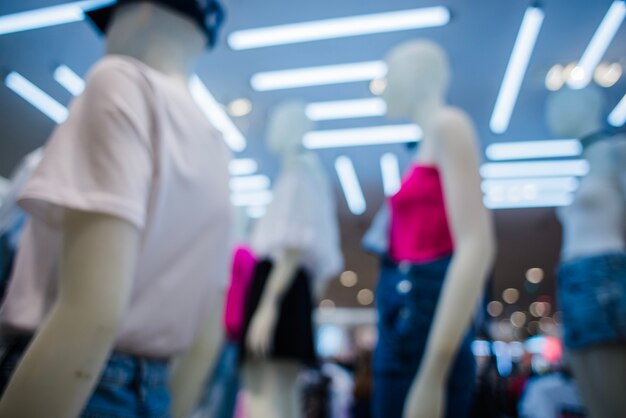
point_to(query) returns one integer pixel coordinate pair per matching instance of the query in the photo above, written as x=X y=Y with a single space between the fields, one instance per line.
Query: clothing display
x=130 y=386
x=293 y=334
x=302 y=215
x=592 y=298
x=407 y=296
x=242 y=274
x=135 y=147
x=419 y=228
x=411 y=278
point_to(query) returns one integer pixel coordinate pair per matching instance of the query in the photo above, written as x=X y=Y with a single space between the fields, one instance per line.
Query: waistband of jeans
x=20 y=341
x=607 y=258
x=441 y=262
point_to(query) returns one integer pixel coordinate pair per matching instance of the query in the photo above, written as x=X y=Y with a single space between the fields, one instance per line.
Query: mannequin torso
x=100 y=252
x=417 y=80
x=595 y=223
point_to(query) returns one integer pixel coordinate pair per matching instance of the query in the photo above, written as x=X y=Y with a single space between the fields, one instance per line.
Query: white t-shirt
x=135 y=146
x=302 y=215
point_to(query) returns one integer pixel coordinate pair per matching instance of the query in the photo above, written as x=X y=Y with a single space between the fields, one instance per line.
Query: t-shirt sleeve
x=100 y=160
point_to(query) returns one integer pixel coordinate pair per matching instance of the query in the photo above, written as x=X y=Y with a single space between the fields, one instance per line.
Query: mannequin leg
x=271 y=389
x=601 y=376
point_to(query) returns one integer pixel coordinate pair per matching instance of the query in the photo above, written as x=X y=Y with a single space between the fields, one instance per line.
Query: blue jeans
x=407 y=296
x=592 y=298
x=129 y=386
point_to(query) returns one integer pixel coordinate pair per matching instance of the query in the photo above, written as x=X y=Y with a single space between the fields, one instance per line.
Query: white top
x=595 y=223
x=302 y=215
x=135 y=146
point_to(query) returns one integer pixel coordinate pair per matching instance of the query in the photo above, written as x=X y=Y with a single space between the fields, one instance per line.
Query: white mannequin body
x=595 y=224
x=271 y=387
x=416 y=86
x=98 y=260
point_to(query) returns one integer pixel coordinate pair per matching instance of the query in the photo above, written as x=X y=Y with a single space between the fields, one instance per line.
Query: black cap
x=208 y=14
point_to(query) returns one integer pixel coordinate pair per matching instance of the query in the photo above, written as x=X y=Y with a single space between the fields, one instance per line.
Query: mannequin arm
x=66 y=357
x=191 y=371
x=261 y=331
x=472 y=229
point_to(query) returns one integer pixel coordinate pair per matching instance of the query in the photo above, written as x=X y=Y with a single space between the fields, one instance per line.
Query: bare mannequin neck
x=424 y=115
x=162 y=39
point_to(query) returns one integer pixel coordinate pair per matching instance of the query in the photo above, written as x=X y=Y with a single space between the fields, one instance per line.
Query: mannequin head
x=163 y=39
x=575 y=113
x=287 y=125
x=418 y=74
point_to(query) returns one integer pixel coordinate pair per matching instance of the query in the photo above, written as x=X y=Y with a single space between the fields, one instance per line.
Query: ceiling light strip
x=524 y=150
x=339 y=28
x=346 y=109
x=539 y=184
x=548 y=168
x=48 y=16
x=516 y=69
x=71 y=81
x=598 y=45
x=216 y=114
x=318 y=76
x=243 y=167
x=256 y=182
x=256 y=198
x=350 y=185
x=36 y=97
x=377 y=135
x=617 y=117
x=390 y=169
x=545 y=201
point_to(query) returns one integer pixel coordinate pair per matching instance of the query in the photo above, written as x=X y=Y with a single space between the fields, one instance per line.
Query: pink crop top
x=419 y=230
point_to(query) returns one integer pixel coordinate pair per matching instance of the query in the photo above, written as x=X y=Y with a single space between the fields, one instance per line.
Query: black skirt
x=293 y=336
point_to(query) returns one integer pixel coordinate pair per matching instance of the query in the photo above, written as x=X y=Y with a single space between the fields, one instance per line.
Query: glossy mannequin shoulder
x=595 y=222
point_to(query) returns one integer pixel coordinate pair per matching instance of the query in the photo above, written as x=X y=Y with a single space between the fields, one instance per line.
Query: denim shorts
x=129 y=387
x=407 y=296
x=592 y=299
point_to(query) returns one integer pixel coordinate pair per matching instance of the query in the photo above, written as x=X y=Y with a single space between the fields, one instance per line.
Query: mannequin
x=592 y=276
x=299 y=237
x=419 y=369
x=103 y=251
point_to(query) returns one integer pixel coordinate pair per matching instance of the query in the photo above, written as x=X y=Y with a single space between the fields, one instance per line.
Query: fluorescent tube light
x=48 y=16
x=599 y=44
x=377 y=135
x=346 y=109
x=530 y=186
x=257 y=198
x=216 y=114
x=249 y=183
x=243 y=167
x=617 y=117
x=516 y=69
x=350 y=185
x=36 y=97
x=546 y=201
x=256 y=212
x=71 y=81
x=535 y=169
x=525 y=150
x=339 y=28
x=318 y=76
x=391 y=173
